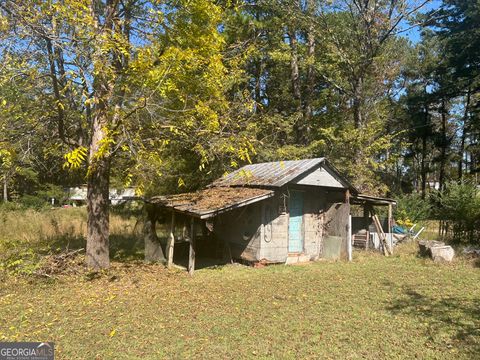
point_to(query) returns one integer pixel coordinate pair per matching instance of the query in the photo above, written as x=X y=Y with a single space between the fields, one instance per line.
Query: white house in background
x=78 y=195
x=433 y=185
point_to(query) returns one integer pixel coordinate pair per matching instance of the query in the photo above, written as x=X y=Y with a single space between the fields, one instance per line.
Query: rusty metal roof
x=211 y=201
x=279 y=173
x=275 y=174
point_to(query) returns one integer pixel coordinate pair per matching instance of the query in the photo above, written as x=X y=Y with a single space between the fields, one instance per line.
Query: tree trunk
x=443 y=153
x=5 y=189
x=357 y=104
x=295 y=79
x=98 y=204
x=308 y=109
x=258 y=85
x=258 y=73
x=425 y=133
x=295 y=73
x=461 y=149
x=423 y=169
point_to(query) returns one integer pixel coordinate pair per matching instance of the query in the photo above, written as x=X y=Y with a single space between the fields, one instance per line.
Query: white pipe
x=418 y=233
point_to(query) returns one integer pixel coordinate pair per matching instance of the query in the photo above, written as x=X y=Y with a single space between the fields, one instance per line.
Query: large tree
x=129 y=80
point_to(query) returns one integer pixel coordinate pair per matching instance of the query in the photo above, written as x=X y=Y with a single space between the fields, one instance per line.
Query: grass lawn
x=374 y=308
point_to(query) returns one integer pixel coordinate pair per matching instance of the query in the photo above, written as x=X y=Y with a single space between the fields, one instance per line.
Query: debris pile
x=471 y=252
x=66 y=262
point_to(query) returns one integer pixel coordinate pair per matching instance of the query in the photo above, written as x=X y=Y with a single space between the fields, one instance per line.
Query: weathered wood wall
x=313 y=219
x=153 y=248
x=274 y=245
x=259 y=232
x=241 y=229
x=336 y=229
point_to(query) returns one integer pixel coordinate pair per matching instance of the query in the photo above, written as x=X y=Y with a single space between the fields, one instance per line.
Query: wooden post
x=390 y=225
x=381 y=234
x=367 y=212
x=153 y=248
x=262 y=226
x=349 y=248
x=191 y=257
x=171 y=242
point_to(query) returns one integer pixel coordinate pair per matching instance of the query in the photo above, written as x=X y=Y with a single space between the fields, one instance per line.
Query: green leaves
x=459 y=206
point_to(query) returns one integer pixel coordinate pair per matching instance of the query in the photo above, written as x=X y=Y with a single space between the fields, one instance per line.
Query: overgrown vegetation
x=411 y=208
x=458 y=207
x=29 y=237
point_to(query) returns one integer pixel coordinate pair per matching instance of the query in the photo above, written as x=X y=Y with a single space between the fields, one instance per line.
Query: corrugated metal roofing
x=275 y=174
x=212 y=201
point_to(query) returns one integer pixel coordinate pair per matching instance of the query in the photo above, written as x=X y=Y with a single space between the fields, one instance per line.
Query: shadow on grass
x=123 y=248
x=128 y=248
x=203 y=259
x=455 y=316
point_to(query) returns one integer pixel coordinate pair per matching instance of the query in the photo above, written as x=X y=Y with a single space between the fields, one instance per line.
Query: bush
x=458 y=205
x=33 y=202
x=49 y=191
x=10 y=206
x=19 y=260
x=411 y=208
x=38 y=200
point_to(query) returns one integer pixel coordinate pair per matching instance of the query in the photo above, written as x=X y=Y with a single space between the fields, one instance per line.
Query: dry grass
x=27 y=235
x=30 y=226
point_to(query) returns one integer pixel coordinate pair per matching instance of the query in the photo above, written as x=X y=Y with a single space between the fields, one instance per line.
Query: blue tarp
x=399 y=230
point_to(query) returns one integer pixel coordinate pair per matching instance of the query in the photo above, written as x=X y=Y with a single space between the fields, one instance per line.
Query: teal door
x=295 y=224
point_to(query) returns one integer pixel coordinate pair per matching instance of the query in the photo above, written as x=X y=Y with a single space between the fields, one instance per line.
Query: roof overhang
x=373 y=200
x=210 y=202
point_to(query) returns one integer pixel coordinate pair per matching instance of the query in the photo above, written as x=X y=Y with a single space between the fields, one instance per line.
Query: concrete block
x=424 y=246
x=442 y=253
x=291 y=260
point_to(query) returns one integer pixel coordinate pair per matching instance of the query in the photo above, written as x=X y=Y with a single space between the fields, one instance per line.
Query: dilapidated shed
x=274 y=212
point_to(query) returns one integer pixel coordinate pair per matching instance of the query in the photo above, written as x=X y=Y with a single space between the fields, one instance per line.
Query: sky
x=414 y=34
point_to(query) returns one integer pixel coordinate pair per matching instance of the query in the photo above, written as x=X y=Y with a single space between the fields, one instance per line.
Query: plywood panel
x=336 y=225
